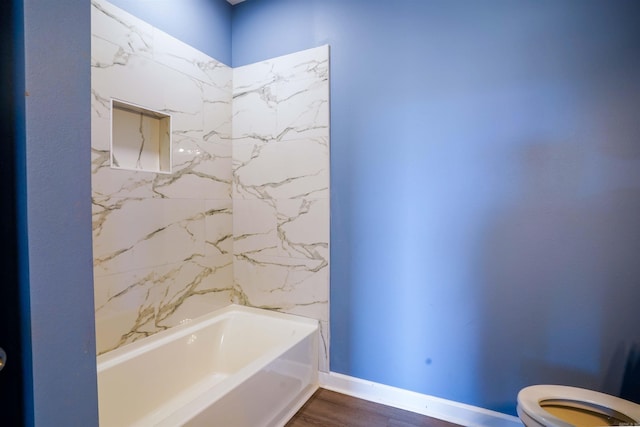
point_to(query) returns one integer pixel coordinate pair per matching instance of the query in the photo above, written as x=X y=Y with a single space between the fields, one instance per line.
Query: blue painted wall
x=61 y=383
x=203 y=24
x=485 y=171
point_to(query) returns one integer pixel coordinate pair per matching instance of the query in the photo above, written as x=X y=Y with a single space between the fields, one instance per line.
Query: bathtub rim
x=188 y=326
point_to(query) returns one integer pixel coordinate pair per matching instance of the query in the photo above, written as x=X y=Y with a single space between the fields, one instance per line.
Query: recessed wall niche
x=140 y=138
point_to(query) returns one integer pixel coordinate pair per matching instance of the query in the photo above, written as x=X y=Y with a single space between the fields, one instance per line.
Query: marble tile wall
x=162 y=242
x=244 y=214
x=281 y=186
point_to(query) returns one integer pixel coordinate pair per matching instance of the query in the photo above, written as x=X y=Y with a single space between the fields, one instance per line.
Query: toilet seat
x=533 y=414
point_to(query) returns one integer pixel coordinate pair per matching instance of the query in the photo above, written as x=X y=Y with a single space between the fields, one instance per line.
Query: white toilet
x=563 y=406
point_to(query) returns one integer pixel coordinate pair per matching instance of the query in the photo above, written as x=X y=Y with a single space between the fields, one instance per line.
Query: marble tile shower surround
x=244 y=215
x=162 y=242
x=281 y=186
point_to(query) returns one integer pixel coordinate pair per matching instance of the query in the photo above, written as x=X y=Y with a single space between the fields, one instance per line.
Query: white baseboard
x=435 y=407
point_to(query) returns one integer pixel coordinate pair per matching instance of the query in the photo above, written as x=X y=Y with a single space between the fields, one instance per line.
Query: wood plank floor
x=330 y=409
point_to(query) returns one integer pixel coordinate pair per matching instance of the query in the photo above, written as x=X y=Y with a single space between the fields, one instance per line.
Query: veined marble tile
x=125 y=292
x=182 y=98
x=281 y=186
x=292 y=228
x=201 y=170
x=218 y=157
x=323 y=346
x=284 y=284
x=100 y=112
x=100 y=159
x=100 y=92
x=218 y=167
x=252 y=77
x=219 y=228
x=110 y=183
x=132 y=35
x=306 y=64
x=244 y=152
x=142 y=302
x=100 y=149
x=303 y=109
x=187 y=148
x=255 y=227
x=194 y=185
x=100 y=123
x=106 y=54
x=299 y=102
x=137 y=83
x=282 y=111
x=289 y=169
x=303 y=228
x=255 y=114
x=101 y=211
x=201 y=302
x=148 y=232
x=217 y=112
x=182 y=57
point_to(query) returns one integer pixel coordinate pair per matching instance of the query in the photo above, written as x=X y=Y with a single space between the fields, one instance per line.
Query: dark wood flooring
x=330 y=409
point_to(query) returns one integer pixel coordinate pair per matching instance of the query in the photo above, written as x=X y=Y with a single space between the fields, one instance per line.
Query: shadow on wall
x=562 y=273
x=630 y=388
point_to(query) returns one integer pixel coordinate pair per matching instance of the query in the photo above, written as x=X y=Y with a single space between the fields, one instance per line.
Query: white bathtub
x=235 y=367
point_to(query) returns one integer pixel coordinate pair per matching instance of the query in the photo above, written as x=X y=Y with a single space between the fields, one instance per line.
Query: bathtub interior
x=209 y=368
